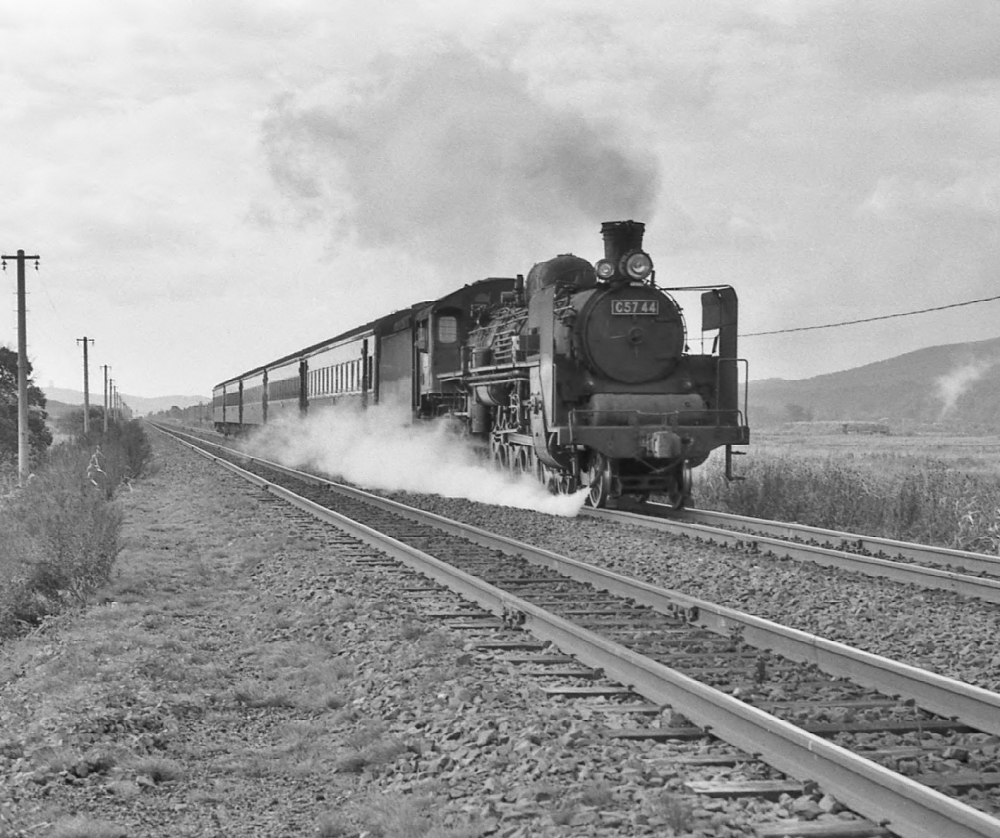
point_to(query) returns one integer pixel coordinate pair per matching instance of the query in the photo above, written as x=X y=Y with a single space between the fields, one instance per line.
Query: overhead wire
x=869 y=319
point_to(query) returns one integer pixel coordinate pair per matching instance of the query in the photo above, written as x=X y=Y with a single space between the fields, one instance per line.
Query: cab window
x=447 y=329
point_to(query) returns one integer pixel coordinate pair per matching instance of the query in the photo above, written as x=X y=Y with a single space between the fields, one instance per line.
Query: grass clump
x=60 y=533
x=81 y=826
x=413 y=816
x=678 y=812
x=254 y=697
x=369 y=747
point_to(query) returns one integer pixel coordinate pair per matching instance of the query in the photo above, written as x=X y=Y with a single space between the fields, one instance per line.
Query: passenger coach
x=399 y=359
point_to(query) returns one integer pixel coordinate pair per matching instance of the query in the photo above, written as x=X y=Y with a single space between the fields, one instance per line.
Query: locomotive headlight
x=637 y=265
x=605 y=269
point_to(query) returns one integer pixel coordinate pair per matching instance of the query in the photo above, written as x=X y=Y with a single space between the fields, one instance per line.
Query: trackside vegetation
x=908 y=498
x=59 y=534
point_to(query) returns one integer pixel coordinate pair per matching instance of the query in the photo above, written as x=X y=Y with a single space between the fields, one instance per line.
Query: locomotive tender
x=580 y=374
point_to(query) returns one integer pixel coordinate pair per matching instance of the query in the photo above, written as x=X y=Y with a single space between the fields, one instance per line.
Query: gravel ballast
x=935 y=630
x=241 y=675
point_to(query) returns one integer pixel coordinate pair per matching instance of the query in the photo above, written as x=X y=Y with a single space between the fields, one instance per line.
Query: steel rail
x=893 y=800
x=939 y=694
x=966 y=560
x=913 y=574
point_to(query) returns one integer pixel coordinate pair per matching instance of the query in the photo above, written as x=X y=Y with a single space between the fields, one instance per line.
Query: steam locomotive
x=580 y=374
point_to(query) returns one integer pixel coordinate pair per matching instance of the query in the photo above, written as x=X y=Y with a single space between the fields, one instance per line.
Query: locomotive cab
x=442 y=331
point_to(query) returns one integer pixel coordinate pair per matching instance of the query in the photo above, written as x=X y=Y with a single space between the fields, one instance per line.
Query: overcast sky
x=214 y=184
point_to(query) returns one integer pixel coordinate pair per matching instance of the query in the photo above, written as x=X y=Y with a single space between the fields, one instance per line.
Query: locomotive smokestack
x=624 y=259
x=621 y=237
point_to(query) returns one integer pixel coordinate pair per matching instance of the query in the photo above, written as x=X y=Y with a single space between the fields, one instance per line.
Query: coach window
x=447 y=329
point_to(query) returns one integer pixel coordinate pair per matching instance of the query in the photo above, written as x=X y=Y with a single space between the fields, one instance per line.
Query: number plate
x=635 y=307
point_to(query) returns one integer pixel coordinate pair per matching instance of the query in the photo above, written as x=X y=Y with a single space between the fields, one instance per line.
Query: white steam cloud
x=456 y=161
x=380 y=449
x=950 y=387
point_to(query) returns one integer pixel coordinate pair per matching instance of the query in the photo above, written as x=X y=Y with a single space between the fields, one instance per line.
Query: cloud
x=452 y=158
x=909 y=45
x=974 y=194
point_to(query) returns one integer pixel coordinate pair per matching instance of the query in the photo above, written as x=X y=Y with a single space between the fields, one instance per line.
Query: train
x=580 y=374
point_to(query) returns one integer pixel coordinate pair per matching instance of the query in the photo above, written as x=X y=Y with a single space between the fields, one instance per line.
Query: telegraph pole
x=86 y=384
x=22 y=368
x=105 y=367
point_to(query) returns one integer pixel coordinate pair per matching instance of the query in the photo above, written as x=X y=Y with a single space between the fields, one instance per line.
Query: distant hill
x=139 y=405
x=957 y=385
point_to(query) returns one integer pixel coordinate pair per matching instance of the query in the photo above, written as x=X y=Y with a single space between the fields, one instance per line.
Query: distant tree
x=798 y=413
x=72 y=422
x=39 y=436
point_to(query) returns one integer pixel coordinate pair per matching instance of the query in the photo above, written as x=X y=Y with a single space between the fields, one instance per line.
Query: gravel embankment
x=935 y=630
x=238 y=678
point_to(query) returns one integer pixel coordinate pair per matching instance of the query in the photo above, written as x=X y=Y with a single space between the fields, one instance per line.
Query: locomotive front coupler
x=664 y=445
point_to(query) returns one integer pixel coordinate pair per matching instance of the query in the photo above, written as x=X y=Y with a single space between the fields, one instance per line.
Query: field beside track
x=941 y=489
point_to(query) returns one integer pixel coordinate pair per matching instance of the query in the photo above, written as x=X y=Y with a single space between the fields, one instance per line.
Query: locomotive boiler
x=583 y=376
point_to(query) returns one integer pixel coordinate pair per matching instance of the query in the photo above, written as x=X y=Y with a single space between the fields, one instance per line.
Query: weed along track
x=790 y=714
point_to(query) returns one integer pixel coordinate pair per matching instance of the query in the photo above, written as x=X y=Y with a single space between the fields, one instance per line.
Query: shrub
x=121 y=455
x=59 y=534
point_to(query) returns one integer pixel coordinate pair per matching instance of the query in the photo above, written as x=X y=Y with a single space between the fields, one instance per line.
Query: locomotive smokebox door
x=630 y=334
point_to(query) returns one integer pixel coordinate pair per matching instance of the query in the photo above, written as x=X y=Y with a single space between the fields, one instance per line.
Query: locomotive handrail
x=496 y=375
x=745 y=413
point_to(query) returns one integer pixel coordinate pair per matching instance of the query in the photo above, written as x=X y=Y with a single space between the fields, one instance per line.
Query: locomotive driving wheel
x=680 y=495
x=521 y=461
x=600 y=480
x=500 y=455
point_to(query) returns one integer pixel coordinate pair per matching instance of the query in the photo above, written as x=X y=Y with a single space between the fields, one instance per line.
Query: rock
x=806 y=808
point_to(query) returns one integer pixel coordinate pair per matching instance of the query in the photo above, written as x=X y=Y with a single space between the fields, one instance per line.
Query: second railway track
x=698 y=658
x=968 y=574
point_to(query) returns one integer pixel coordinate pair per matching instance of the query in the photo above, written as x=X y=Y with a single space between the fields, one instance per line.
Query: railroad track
x=968 y=574
x=788 y=707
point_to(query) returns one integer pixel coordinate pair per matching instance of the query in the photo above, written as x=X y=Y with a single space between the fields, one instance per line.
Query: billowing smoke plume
x=456 y=162
x=952 y=386
x=380 y=449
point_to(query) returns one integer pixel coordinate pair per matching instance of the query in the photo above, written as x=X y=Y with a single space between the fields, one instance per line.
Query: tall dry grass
x=926 y=501
x=59 y=534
